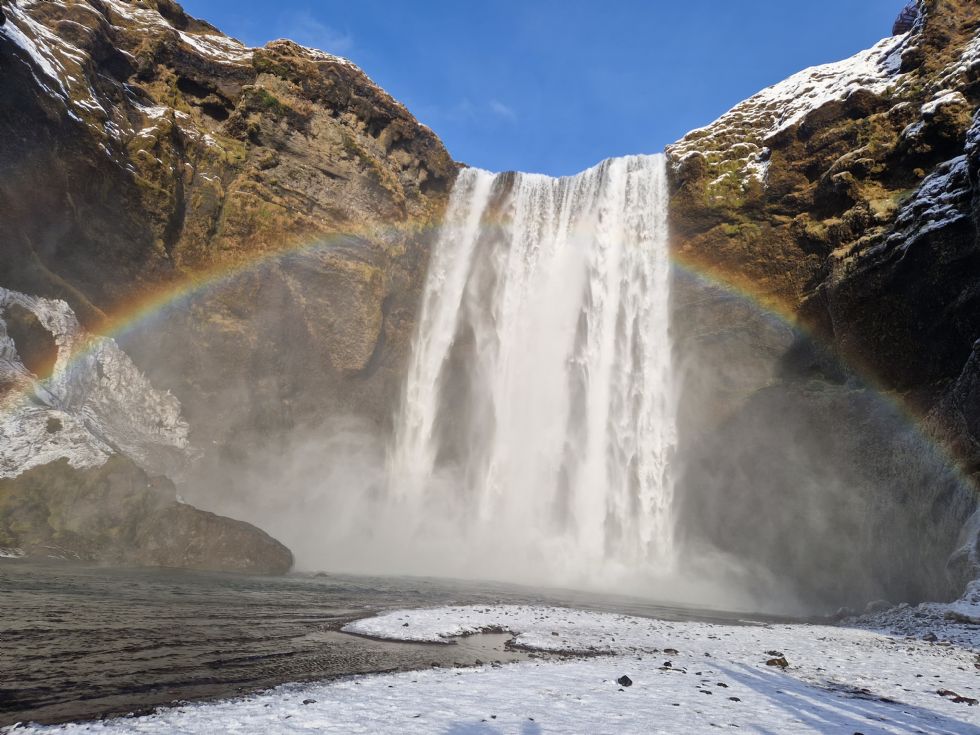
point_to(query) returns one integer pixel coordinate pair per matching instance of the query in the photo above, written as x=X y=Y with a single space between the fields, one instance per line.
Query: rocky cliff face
x=826 y=229
x=145 y=154
x=116 y=513
x=838 y=211
x=161 y=151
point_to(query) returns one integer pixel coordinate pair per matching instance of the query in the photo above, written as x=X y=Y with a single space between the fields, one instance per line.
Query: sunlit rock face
x=144 y=147
x=842 y=201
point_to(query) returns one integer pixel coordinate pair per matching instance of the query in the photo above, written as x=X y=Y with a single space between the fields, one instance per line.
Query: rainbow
x=143 y=311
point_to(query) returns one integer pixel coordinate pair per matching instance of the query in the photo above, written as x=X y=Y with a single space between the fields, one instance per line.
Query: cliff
x=148 y=157
x=252 y=225
x=164 y=153
x=831 y=224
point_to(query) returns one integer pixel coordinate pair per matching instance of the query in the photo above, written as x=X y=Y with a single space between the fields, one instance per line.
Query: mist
x=566 y=411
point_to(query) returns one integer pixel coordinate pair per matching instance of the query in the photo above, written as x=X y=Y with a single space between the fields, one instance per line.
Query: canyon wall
x=145 y=155
x=828 y=311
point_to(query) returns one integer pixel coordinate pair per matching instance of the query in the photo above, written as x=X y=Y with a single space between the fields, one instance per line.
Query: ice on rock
x=940 y=201
x=97 y=400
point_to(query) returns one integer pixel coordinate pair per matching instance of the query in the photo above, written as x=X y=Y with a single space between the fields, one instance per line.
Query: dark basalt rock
x=863 y=235
x=117 y=514
x=35 y=345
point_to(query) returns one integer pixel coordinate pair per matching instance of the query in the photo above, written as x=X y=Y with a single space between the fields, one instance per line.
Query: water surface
x=81 y=642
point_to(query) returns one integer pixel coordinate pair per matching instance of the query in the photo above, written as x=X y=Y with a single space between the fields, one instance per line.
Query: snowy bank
x=683 y=677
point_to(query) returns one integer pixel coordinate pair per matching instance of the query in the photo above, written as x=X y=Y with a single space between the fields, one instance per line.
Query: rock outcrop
x=86 y=443
x=839 y=210
x=118 y=514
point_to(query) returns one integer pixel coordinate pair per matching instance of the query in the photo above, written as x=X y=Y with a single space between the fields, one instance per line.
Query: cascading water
x=539 y=413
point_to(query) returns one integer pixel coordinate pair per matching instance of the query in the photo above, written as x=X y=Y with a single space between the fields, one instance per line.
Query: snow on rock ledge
x=738 y=136
x=95 y=404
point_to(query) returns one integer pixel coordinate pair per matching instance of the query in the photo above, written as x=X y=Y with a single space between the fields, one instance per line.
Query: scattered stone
x=309 y=701
x=930 y=637
x=671 y=651
x=624 y=681
x=958 y=617
x=877 y=606
x=957 y=698
x=734 y=699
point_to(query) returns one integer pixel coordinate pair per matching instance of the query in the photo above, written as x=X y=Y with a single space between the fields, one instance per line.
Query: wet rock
x=958 y=617
x=118 y=514
x=957 y=698
x=877 y=606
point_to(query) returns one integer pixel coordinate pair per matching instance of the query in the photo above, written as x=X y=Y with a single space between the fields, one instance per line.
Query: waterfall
x=538 y=419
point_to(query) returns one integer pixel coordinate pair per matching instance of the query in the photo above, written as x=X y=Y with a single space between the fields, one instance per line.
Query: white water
x=539 y=415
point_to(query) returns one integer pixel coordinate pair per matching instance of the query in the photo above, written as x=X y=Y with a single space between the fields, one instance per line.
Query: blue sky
x=554 y=86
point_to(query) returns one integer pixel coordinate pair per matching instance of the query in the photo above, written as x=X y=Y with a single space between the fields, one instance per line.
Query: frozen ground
x=686 y=677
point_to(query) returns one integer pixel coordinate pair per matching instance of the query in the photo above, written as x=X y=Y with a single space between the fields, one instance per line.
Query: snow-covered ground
x=686 y=677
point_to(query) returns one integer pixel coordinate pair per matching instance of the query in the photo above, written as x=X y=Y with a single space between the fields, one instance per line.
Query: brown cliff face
x=844 y=202
x=144 y=151
x=144 y=148
x=810 y=194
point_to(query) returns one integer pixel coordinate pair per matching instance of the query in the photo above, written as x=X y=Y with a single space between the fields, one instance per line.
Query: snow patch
x=683 y=677
x=940 y=201
x=943 y=99
x=218 y=48
x=779 y=107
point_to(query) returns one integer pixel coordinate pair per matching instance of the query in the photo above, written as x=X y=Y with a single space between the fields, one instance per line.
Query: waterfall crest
x=539 y=407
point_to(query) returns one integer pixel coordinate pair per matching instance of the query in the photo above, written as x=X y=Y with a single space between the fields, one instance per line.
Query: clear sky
x=554 y=86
